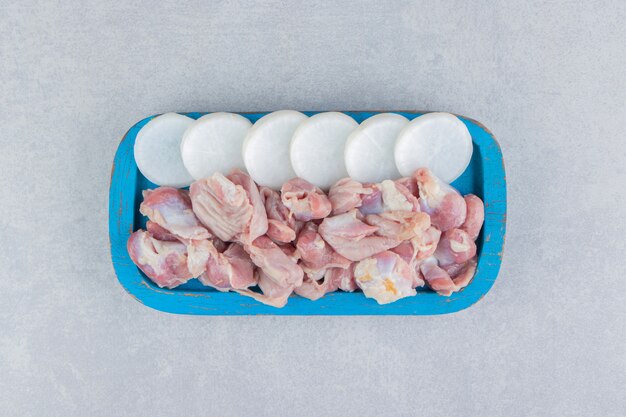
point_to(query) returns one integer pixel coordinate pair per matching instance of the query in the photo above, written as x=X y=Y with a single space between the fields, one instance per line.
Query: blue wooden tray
x=484 y=177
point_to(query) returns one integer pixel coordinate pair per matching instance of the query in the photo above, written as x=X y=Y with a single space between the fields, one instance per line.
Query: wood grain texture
x=484 y=177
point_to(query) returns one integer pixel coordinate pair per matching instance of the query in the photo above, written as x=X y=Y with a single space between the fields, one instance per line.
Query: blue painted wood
x=484 y=177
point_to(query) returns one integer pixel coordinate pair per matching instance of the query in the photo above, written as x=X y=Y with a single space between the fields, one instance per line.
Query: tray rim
x=214 y=303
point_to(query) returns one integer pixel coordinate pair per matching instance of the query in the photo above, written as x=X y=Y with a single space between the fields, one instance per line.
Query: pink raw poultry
x=160 y=233
x=304 y=200
x=333 y=279
x=258 y=222
x=231 y=211
x=475 y=216
x=443 y=203
x=317 y=255
x=399 y=225
x=352 y=238
x=346 y=195
x=281 y=226
x=410 y=184
x=384 y=277
x=165 y=263
x=273 y=294
x=232 y=269
x=462 y=274
x=437 y=278
x=455 y=247
x=277 y=265
x=171 y=209
x=408 y=251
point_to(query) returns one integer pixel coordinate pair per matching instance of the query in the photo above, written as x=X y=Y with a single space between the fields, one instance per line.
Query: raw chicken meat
x=198 y=254
x=409 y=251
x=380 y=238
x=462 y=274
x=342 y=278
x=160 y=233
x=333 y=279
x=273 y=294
x=437 y=278
x=352 y=238
x=226 y=209
x=165 y=263
x=278 y=266
x=316 y=255
x=397 y=197
x=258 y=222
x=443 y=203
x=346 y=195
x=427 y=242
x=399 y=225
x=475 y=215
x=389 y=196
x=232 y=269
x=314 y=289
x=410 y=184
x=384 y=277
x=455 y=247
x=281 y=226
x=171 y=209
x=304 y=200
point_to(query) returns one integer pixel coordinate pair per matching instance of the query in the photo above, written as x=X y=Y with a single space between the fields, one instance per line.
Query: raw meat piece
x=475 y=215
x=398 y=197
x=274 y=262
x=332 y=280
x=384 y=277
x=231 y=211
x=160 y=233
x=273 y=294
x=281 y=226
x=408 y=251
x=462 y=274
x=455 y=247
x=352 y=238
x=399 y=225
x=427 y=242
x=291 y=251
x=221 y=206
x=389 y=196
x=171 y=209
x=232 y=269
x=258 y=223
x=342 y=278
x=165 y=263
x=437 y=278
x=373 y=202
x=443 y=203
x=314 y=289
x=346 y=195
x=410 y=184
x=304 y=200
x=315 y=253
x=198 y=254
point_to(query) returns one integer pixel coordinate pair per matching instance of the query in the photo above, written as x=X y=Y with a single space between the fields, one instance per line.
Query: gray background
x=548 y=80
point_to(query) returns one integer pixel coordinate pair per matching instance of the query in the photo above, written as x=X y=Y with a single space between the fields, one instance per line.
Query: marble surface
x=548 y=80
